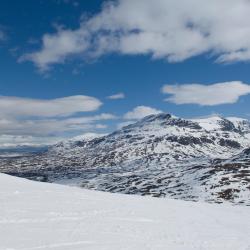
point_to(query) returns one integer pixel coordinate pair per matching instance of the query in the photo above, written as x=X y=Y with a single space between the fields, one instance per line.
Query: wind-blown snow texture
x=161 y=155
x=46 y=216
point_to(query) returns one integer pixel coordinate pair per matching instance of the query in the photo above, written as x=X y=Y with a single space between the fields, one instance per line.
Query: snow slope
x=37 y=215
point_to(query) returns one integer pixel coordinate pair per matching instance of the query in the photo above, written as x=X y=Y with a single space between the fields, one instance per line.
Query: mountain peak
x=156 y=117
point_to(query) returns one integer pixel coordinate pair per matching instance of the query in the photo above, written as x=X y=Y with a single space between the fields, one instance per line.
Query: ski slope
x=37 y=216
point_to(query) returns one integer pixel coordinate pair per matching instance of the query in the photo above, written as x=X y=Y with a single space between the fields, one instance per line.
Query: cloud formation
x=116 y=96
x=16 y=106
x=10 y=141
x=206 y=95
x=30 y=121
x=139 y=112
x=52 y=126
x=56 y=48
x=172 y=30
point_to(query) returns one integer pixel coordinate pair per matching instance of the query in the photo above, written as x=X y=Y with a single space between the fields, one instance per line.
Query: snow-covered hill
x=160 y=155
x=68 y=144
x=46 y=216
x=172 y=137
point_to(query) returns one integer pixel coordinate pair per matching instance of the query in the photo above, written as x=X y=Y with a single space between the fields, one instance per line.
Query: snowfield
x=37 y=215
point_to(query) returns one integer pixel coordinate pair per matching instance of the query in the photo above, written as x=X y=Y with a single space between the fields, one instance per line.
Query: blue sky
x=97 y=50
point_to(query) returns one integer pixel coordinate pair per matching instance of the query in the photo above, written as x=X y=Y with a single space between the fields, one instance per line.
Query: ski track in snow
x=48 y=216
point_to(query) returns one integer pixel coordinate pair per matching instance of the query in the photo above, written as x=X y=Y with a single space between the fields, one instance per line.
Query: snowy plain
x=37 y=215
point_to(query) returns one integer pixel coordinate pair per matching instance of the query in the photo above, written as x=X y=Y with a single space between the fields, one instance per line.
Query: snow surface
x=86 y=137
x=37 y=215
x=209 y=123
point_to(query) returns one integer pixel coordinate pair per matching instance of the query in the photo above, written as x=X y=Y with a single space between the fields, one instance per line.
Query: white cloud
x=87 y=121
x=52 y=126
x=9 y=141
x=173 y=30
x=100 y=126
x=215 y=94
x=57 y=47
x=32 y=121
x=16 y=106
x=116 y=96
x=139 y=112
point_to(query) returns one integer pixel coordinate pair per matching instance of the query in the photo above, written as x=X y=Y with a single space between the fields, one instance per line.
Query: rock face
x=160 y=155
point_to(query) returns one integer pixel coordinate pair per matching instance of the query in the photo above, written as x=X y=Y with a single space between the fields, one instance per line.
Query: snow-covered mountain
x=160 y=155
x=173 y=138
x=68 y=144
